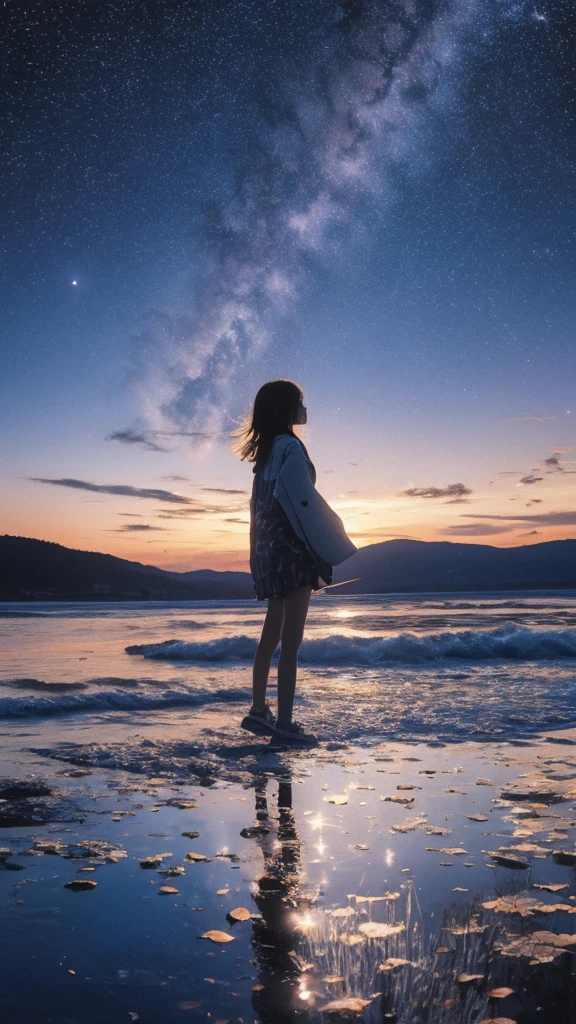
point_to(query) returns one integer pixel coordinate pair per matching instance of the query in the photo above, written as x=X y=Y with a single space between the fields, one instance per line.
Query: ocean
x=435 y=667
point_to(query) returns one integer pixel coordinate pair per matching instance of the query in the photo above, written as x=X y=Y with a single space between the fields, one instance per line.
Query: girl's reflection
x=278 y=996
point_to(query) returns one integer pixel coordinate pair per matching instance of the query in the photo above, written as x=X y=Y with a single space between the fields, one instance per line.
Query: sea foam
x=509 y=642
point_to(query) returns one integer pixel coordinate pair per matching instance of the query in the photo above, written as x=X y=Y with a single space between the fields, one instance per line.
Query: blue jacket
x=309 y=514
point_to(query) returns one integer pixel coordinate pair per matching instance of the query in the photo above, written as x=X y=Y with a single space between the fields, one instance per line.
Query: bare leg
x=295 y=611
x=269 y=641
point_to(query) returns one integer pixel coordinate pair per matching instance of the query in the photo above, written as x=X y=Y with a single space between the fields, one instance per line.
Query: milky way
x=323 y=142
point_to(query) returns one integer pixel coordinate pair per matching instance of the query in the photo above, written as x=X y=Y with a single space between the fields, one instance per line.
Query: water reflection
x=282 y=992
x=374 y=959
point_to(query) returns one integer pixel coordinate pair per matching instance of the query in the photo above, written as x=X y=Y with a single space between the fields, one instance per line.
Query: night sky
x=374 y=199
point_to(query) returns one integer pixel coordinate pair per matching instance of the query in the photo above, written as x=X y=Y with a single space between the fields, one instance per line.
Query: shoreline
x=314 y=846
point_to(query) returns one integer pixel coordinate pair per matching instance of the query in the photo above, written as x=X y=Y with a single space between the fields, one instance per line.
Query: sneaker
x=261 y=723
x=294 y=733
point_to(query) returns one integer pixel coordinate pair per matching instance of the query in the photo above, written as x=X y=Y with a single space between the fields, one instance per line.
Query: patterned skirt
x=279 y=560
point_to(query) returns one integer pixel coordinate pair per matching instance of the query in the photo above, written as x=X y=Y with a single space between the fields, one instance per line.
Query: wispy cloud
x=474 y=530
x=541 y=518
x=530 y=479
x=529 y=419
x=223 y=490
x=124 y=490
x=139 y=528
x=133 y=436
x=159 y=440
x=451 y=491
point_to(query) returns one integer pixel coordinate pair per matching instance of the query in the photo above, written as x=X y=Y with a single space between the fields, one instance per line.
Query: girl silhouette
x=295 y=538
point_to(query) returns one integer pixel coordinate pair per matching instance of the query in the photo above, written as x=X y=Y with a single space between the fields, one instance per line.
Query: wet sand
x=397 y=882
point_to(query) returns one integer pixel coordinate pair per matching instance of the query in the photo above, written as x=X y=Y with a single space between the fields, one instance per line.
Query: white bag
x=308 y=513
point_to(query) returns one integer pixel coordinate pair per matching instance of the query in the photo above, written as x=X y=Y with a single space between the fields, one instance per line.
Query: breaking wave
x=114 y=700
x=509 y=642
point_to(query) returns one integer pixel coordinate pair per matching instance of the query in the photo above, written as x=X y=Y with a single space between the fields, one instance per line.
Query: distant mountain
x=41 y=570
x=415 y=565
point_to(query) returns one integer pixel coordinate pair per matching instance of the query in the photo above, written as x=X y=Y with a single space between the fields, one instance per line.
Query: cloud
x=223 y=490
x=554 y=461
x=458 y=501
x=530 y=479
x=474 y=530
x=244 y=522
x=139 y=528
x=175 y=478
x=149 y=439
x=531 y=533
x=451 y=491
x=541 y=518
x=125 y=490
x=508 y=472
x=131 y=436
x=529 y=419
x=321 y=149
x=130 y=515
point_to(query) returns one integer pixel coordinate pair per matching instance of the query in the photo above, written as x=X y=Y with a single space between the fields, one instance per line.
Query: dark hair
x=273 y=413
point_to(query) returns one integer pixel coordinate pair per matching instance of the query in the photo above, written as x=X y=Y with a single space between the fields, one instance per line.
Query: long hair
x=274 y=412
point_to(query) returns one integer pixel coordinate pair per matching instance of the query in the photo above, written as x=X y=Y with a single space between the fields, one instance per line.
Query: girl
x=284 y=568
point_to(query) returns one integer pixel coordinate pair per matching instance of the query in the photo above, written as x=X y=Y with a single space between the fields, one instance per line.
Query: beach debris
x=332 y=979
x=168 y=890
x=80 y=884
x=352 y=1005
x=342 y=912
x=188 y=1004
x=551 y=886
x=23 y=789
x=408 y=801
x=253 y=831
x=450 y=851
x=437 y=830
x=217 y=936
x=540 y=947
x=196 y=857
x=351 y=939
x=172 y=872
x=407 y=786
x=190 y=835
x=467 y=979
x=154 y=860
x=484 y=782
x=508 y=861
x=459 y=888
x=525 y=906
x=393 y=962
x=182 y=805
x=379 y=930
x=476 y=817
x=410 y=824
x=361 y=846
x=222 y=892
x=239 y=914
x=500 y=993
x=387 y=897
x=566 y=857
x=460 y=792
x=340 y=799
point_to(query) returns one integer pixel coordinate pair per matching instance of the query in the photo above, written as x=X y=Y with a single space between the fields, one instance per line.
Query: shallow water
x=442 y=667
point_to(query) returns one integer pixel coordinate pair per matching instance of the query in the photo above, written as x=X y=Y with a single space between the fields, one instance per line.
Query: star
x=74 y=282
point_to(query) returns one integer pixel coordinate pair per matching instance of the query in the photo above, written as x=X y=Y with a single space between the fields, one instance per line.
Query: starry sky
x=374 y=199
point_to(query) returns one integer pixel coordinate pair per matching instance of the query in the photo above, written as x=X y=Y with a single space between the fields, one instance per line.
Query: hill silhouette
x=41 y=570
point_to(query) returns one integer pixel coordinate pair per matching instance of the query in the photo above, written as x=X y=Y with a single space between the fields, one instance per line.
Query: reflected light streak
x=389 y=858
